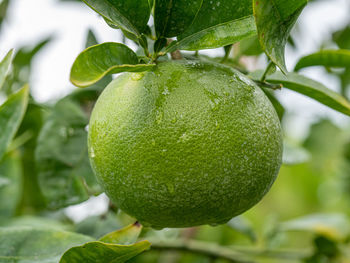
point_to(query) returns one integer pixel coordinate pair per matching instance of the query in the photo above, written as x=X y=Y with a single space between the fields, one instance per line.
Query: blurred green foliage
x=304 y=218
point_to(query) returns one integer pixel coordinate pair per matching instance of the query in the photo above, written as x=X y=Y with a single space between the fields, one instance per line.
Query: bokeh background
x=310 y=201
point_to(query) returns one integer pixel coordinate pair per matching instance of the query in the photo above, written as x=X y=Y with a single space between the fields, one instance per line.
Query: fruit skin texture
x=187 y=144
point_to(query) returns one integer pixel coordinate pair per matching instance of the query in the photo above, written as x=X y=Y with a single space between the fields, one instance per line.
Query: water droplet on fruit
x=136 y=76
x=92 y=153
x=166 y=91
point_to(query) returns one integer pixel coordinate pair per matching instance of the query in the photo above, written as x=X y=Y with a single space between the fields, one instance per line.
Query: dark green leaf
x=342 y=37
x=275 y=102
x=10 y=182
x=94 y=252
x=31 y=198
x=310 y=88
x=5 y=65
x=65 y=175
x=36 y=245
x=345 y=81
x=217 y=24
x=11 y=114
x=91 y=39
x=108 y=58
x=173 y=17
x=274 y=21
x=130 y=15
x=327 y=58
x=3 y=10
x=124 y=236
x=160 y=44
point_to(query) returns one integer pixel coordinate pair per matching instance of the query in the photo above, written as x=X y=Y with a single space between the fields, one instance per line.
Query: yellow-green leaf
x=124 y=236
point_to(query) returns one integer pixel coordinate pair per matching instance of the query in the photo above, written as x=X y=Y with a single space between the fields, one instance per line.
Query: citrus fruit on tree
x=188 y=143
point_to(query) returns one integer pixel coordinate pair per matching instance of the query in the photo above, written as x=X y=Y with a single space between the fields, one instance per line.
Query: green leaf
x=37 y=222
x=310 y=88
x=241 y=225
x=274 y=21
x=173 y=17
x=11 y=114
x=224 y=27
x=342 y=37
x=91 y=39
x=3 y=10
x=93 y=252
x=129 y=15
x=31 y=198
x=326 y=58
x=10 y=184
x=334 y=226
x=5 y=65
x=275 y=103
x=36 y=245
x=108 y=58
x=249 y=47
x=124 y=236
x=98 y=226
x=64 y=172
x=21 y=66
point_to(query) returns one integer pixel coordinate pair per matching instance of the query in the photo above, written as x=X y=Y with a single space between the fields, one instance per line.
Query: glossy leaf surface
x=173 y=17
x=108 y=58
x=310 y=88
x=326 y=58
x=274 y=21
x=217 y=24
x=129 y=15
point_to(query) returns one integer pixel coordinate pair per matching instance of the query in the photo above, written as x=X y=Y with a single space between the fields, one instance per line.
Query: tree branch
x=231 y=254
x=198 y=247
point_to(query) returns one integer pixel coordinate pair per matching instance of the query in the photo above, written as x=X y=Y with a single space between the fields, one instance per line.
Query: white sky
x=28 y=23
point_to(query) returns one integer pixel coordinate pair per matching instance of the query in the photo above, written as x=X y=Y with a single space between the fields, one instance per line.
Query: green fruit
x=186 y=144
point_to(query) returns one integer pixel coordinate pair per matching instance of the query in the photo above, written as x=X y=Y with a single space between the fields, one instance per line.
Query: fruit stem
x=175 y=55
x=269 y=66
x=268 y=85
